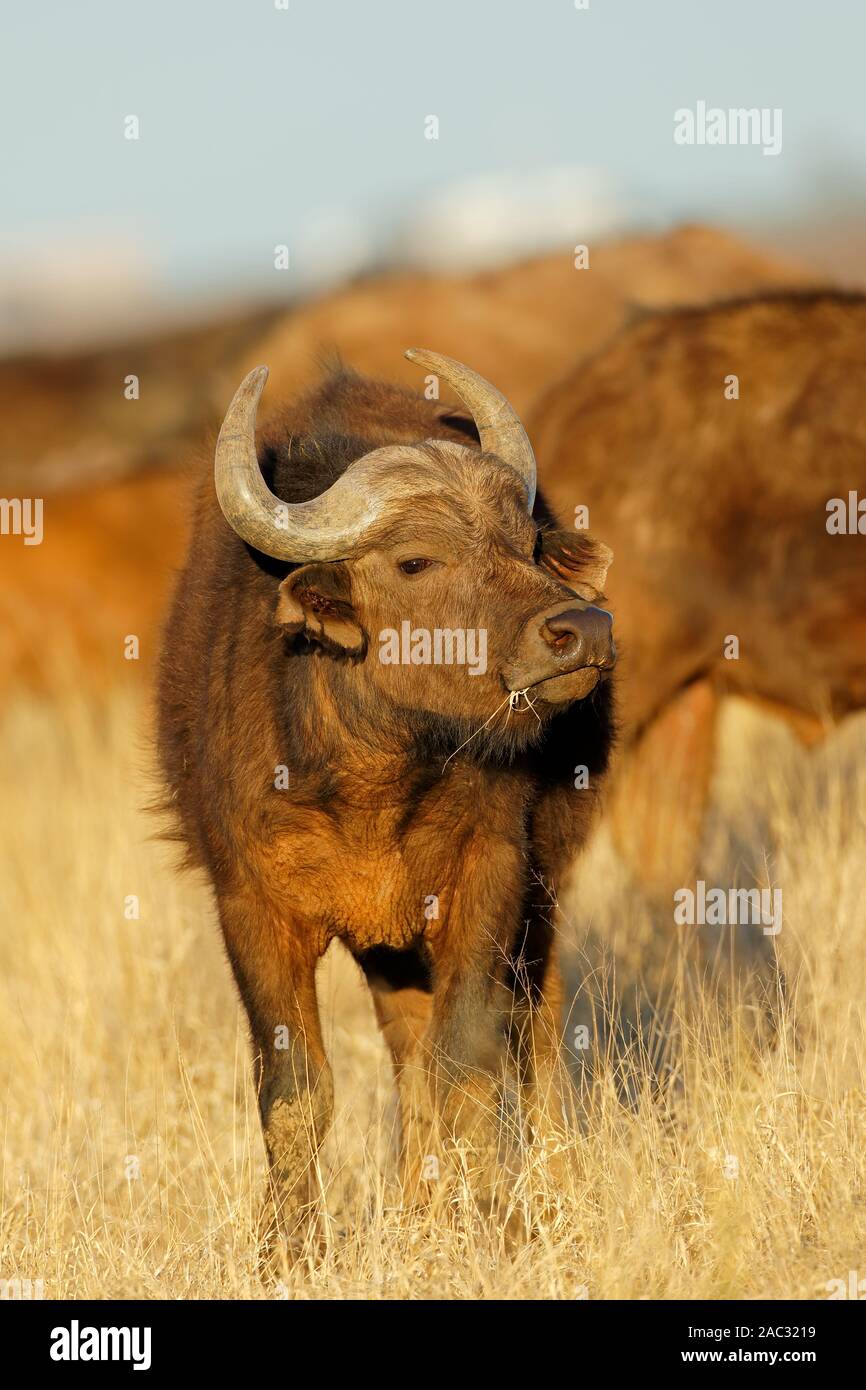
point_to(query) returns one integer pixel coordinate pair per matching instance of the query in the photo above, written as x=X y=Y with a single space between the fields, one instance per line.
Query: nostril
x=562 y=628
x=580 y=635
x=565 y=641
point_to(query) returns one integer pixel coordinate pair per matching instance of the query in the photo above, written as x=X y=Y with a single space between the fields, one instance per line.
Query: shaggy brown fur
x=434 y=863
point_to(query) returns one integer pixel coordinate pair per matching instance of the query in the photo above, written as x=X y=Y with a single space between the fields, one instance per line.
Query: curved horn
x=326 y=528
x=499 y=427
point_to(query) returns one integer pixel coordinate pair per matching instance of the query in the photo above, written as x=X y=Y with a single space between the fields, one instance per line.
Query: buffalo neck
x=368 y=754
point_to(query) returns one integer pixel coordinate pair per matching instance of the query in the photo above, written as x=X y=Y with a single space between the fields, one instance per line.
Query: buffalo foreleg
x=534 y=1031
x=560 y=826
x=274 y=966
x=465 y=1064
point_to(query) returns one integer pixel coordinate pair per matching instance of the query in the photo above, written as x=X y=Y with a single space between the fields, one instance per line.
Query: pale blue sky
x=255 y=121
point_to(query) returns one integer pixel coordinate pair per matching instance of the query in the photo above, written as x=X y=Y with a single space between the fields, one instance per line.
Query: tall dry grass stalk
x=721 y=1141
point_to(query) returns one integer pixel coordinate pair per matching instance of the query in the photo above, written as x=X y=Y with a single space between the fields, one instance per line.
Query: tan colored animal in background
x=523 y=324
x=707 y=444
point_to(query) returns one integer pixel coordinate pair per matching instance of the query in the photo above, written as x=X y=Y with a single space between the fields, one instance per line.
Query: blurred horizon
x=262 y=127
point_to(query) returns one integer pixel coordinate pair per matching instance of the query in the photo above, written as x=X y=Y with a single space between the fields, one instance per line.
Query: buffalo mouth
x=561 y=690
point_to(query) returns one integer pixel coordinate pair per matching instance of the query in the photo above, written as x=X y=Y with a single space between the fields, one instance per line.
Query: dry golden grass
x=132 y=1160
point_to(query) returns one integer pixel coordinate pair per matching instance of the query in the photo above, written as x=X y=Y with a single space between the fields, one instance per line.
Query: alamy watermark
x=15 y=1290
x=443 y=646
x=853 y=1287
x=846 y=516
x=77 y=1343
x=738 y=125
x=728 y=907
x=22 y=516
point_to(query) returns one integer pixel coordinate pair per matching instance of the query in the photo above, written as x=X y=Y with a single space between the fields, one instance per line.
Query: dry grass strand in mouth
x=707 y=1162
x=479 y=730
x=514 y=701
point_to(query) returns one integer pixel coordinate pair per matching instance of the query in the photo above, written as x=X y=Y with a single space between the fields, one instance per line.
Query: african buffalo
x=339 y=782
x=718 y=449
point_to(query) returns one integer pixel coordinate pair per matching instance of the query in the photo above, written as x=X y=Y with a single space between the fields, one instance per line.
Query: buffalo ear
x=579 y=561
x=316 y=600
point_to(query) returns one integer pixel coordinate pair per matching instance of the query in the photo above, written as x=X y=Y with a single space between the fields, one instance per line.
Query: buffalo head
x=422 y=566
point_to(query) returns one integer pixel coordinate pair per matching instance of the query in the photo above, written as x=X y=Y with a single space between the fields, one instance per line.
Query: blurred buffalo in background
x=713 y=448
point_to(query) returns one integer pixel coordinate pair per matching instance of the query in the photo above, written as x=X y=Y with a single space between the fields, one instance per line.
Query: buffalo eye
x=413 y=566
